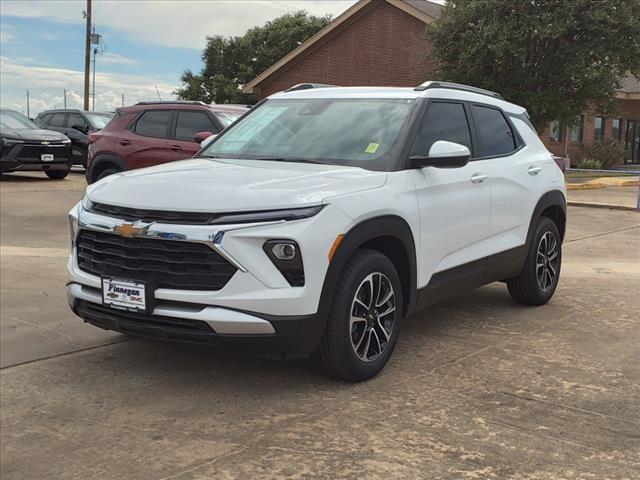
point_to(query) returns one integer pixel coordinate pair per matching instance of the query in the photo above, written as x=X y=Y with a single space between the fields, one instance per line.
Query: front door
x=454 y=203
x=632 y=143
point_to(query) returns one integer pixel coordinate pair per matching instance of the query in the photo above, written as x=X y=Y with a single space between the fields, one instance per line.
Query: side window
x=57 y=120
x=75 y=119
x=153 y=123
x=191 y=122
x=443 y=121
x=496 y=137
x=47 y=118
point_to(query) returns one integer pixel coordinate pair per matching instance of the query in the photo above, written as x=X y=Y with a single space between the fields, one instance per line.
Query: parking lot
x=478 y=388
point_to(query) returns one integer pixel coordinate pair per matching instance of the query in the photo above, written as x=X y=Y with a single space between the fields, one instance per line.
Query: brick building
x=383 y=42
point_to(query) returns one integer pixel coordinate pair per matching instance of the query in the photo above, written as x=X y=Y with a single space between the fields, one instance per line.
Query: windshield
x=99 y=120
x=15 y=121
x=227 y=118
x=356 y=132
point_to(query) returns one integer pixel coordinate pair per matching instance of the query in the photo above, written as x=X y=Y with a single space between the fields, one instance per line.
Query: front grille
x=59 y=151
x=149 y=216
x=162 y=263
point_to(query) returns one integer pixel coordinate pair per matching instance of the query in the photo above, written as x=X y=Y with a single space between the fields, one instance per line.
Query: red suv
x=150 y=133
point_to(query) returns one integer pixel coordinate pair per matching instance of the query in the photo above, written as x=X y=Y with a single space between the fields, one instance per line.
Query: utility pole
x=93 y=95
x=87 y=55
x=123 y=99
x=65 y=98
x=28 y=104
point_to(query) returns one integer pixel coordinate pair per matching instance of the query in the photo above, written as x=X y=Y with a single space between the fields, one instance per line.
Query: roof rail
x=165 y=102
x=456 y=86
x=307 y=86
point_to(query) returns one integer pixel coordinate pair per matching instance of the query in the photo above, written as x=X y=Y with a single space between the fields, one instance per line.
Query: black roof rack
x=168 y=102
x=456 y=86
x=307 y=86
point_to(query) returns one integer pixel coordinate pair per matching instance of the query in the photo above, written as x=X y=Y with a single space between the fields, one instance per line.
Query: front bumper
x=256 y=307
x=201 y=324
x=27 y=157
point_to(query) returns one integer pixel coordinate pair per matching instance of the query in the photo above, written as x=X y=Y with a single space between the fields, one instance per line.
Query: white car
x=321 y=219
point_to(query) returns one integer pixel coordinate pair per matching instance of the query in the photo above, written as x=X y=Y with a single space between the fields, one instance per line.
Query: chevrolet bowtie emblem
x=45 y=143
x=130 y=230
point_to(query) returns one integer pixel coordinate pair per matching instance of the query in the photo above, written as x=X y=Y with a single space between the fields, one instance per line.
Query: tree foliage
x=554 y=57
x=230 y=62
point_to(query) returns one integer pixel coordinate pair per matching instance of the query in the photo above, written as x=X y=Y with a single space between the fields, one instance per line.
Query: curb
x=584 y=186
x=609 y=206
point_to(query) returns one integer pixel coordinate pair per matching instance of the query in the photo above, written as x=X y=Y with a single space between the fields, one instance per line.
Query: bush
x=589 y=164
x=606 y=152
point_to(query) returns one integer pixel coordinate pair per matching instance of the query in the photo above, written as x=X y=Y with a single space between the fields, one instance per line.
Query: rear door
x=518 y=174
x=145 y=142
x=187 y=124
x=454 y=202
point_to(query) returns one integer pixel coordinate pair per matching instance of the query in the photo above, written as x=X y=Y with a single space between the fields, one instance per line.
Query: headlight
x=86 y=204
x=267 y=216
x=66 y=141
x=285 y=255
x=73 y=223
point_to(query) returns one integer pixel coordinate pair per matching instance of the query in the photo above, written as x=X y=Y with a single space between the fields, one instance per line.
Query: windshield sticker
x=372 y=148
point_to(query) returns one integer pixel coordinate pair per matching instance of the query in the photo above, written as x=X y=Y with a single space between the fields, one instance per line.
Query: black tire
x=57 y=174
x=538 y=280
x=106 y=173
x=336 y=353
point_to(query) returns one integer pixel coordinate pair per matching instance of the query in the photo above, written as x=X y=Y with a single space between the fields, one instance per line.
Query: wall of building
x=382 y=46
x=629 y=110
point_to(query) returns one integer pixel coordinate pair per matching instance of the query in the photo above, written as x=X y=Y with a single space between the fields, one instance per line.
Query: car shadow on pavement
x=185 y=366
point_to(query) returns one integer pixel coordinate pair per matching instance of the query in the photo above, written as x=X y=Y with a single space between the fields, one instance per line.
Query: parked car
x=319 y=220
x=151 y=133
x=77 y=125
x=25 y=147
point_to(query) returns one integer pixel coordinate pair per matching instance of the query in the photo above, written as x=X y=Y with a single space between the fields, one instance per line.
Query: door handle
x=478 y=178
x=125 y=143
x=534 y=170
x=175 y=148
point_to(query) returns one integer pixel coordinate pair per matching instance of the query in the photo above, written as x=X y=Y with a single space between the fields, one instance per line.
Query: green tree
x=554 y=57
x=230 y=62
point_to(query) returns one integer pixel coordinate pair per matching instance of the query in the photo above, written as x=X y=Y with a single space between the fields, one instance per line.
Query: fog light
x=286 y=256
x=284 y=251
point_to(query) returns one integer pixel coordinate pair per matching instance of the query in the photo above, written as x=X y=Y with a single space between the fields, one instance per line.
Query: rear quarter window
x=496 y=136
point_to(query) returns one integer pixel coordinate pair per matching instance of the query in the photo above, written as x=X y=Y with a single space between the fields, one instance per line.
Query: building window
x=616 y=129
x=576 y=130
x=555 y=131
x=598 y=129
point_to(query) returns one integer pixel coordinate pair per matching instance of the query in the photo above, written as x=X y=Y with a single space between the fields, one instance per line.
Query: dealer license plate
x=124 y=294
x=46 y=157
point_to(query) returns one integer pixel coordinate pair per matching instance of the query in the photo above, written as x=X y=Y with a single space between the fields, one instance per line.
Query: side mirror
x=200 y=136
x=442 y=154
x=205 y=143
x=80 y=128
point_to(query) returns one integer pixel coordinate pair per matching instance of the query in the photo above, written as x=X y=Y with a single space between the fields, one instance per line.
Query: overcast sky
x=148 y=44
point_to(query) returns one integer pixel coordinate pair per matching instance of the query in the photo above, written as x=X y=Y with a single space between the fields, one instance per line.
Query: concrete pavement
x=478 y=388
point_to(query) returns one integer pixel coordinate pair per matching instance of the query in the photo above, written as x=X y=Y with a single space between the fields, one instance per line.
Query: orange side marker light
x=334 y=247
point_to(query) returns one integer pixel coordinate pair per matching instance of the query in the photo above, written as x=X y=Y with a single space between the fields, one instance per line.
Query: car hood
x=32 y=135
x=231 y=185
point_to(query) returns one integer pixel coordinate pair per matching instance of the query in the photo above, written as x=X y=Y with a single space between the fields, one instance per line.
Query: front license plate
x=124 y=294
x=46 y=157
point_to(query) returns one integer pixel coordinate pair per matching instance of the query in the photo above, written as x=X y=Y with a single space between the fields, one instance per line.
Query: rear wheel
x=57 y=174
x=364 y=320
x=538 y=280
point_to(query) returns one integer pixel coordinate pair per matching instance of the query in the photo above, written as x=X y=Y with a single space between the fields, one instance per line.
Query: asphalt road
x=478 y=388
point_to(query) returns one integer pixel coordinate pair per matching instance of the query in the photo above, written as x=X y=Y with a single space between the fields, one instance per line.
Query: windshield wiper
x=290 y=160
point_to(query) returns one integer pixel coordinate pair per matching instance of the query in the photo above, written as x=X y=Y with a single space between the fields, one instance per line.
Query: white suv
x=320 y=219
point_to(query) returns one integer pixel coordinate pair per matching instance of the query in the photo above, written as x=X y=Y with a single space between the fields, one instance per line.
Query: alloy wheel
x=547 y=261
x=372 y=317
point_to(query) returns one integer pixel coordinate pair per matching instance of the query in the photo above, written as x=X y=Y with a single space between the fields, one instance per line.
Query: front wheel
x=57 y=174
x=538 y=280
x=364 y=320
